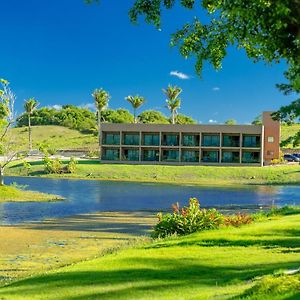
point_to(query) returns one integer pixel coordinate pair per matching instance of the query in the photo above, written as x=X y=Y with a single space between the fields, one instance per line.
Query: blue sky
x=59 y=51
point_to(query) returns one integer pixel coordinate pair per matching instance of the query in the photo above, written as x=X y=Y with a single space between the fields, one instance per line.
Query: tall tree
x=230 y=122
x=101 y=98
x=136 y=102
x=173 y=102
x=7 y=118
x=30 y=105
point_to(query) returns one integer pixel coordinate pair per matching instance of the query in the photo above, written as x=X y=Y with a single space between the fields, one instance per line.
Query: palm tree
x=30 y=105
x=173 y=102
x=136 y=102
x=101 y=98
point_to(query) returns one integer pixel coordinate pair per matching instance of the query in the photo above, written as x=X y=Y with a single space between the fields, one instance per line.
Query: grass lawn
x=12 y=194
x=205 y=175
x=217 y=264
x=57 y=137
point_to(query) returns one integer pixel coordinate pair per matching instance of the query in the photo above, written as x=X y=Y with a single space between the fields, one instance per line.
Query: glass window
x=131 y=139
x=231 y=140
x=190 y=140
x=270 y=139
x=250 y=157
x=170 y=155
x=151 y=139
x=151 y=155
x=190 y=156
x=111 y=154
x=111 y=139
x=251 y=141
x=131 y=154
x=230 y=157
x=170 y=139
x=210 y=156
x=210 y=140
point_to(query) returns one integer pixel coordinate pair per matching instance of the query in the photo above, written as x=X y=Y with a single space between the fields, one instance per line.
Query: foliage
x=53 y=166
x=136 y=102
x=173 y=101
x=231 y=122
x=30 y=105
x=237 y=220
x=257 y=120
x=187 y=220
x=26 y=166
x=72 y=165
x=182 y=119
x=120 y=115
x=152 y=117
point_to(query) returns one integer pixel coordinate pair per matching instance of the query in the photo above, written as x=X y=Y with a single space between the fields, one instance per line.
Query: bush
x=238 y=220
x=26 y=166
x=187 y=220
x=72 y=165
x=53 y=166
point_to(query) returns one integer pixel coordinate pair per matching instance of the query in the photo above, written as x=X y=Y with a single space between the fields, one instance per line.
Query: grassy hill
x=214 y=264
x=57 y=137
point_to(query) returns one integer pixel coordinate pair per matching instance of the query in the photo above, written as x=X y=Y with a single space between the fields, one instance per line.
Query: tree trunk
x=99 y=132
x=29 y=133
x=134 y=116
x=1 y=176
x=173 y=117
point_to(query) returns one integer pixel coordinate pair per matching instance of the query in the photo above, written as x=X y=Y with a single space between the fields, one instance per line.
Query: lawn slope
x=216 y=264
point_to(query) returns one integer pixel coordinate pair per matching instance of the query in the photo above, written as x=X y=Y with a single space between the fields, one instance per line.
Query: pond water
x=84 y=196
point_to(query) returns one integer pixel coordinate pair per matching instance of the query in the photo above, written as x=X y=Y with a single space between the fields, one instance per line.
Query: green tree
x=230 y=122
x=29 y=106
x=183 y=119
x=120 y=115
x=173 y=102
x=257 y=120
x=153 y=117
x=101 y=98
x=136 y=102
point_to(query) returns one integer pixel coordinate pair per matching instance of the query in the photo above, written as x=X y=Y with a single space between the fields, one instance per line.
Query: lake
x=85 y=196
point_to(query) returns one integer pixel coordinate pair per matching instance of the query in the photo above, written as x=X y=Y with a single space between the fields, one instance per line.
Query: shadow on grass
x=154 y=275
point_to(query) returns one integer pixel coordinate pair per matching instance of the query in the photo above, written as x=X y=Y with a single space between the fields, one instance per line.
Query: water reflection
x=89 y=196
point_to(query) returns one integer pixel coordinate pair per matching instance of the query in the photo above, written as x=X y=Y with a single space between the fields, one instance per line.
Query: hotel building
x=191 y=144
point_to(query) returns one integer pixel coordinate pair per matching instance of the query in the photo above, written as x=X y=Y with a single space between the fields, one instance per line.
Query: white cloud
x=215 y=89
x=89 y=105
x=212 y=121
x=55 y=106
x=180 y=75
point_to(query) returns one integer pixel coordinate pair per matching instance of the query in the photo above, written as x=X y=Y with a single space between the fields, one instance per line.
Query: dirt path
x=32 y=248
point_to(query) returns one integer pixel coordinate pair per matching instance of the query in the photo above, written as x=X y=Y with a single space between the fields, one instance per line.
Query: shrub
x=53 y=166
x=238 y=220
x=187 y=220
x=72 y=165
x=26 y=166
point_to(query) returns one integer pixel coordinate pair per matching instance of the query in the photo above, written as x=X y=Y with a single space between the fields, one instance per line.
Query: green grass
x=217 y=264
x=12 y=194
x=288 y=131
x=57 y=137
x=204 y=175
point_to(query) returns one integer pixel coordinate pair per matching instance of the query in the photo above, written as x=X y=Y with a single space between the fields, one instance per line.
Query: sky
x=59 y=51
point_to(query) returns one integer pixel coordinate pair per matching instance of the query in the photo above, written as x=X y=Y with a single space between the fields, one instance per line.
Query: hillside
x=288 y=131
x=57 y=137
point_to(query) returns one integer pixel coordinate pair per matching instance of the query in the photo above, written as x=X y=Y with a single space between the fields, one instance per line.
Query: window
x=211 y=140
x=250 y=157
x=251 y=141
x=131 y=139
x=131 y=154
x=151 y=139
x=270 y=139
x=111 y=139
x=111 y=154
x=190 y=140
x=170 y=155
x=151 y=155
x=230 y=157
x=190 y=156
x=210 y=156
x=231 y=140
x=170 y=139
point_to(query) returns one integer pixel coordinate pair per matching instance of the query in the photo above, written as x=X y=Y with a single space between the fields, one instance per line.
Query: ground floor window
x=190 y=156
x=151 y=155
x=230 y=156
x=210 y=156
x=111 y=154
x=250 y=157
x=131 y=154
x=170 y=155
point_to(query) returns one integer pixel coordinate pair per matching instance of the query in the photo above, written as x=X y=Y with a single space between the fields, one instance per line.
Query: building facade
x=191 y=144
